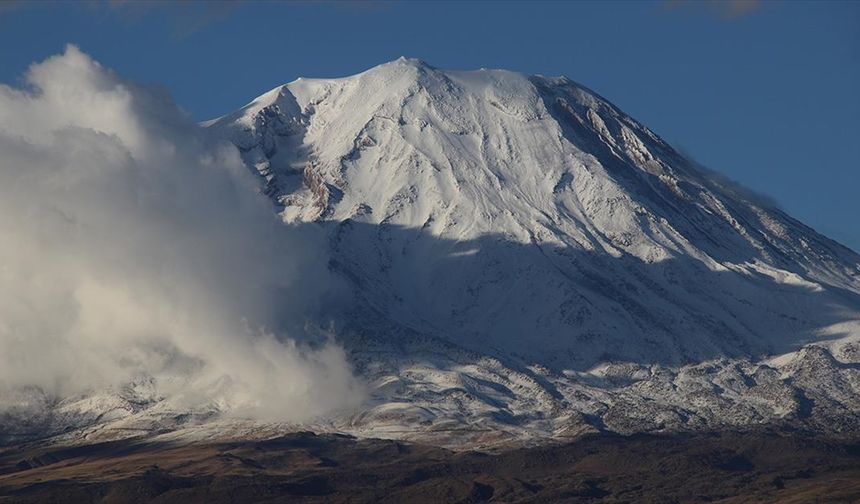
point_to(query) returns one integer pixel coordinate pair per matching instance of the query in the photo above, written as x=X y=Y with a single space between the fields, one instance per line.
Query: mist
x=132 y=246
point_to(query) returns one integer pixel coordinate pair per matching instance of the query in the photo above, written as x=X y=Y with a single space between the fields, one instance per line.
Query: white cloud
x=131 y=245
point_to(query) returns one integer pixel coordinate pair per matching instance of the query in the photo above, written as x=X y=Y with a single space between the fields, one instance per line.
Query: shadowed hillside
x=308 y=468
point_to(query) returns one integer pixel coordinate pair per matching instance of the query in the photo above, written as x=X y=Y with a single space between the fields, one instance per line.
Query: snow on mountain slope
x=571 y=256
x=528 y=263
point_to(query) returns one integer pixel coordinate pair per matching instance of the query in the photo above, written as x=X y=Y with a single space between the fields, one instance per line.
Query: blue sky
x=764 y=92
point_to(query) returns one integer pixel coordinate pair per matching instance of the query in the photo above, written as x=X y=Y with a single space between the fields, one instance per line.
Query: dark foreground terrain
x=328 y=468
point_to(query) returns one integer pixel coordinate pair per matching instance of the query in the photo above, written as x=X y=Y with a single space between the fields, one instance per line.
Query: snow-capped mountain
x=529 y=214
x=529 y=263
x=526 y=252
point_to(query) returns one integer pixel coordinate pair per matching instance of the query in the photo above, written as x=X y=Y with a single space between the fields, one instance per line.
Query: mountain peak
x=404 y=60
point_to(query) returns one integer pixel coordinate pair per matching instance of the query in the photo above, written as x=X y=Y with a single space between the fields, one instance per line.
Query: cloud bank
x=133 y=246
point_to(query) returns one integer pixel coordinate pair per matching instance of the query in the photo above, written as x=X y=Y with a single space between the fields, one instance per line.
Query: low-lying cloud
x=131 y=246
